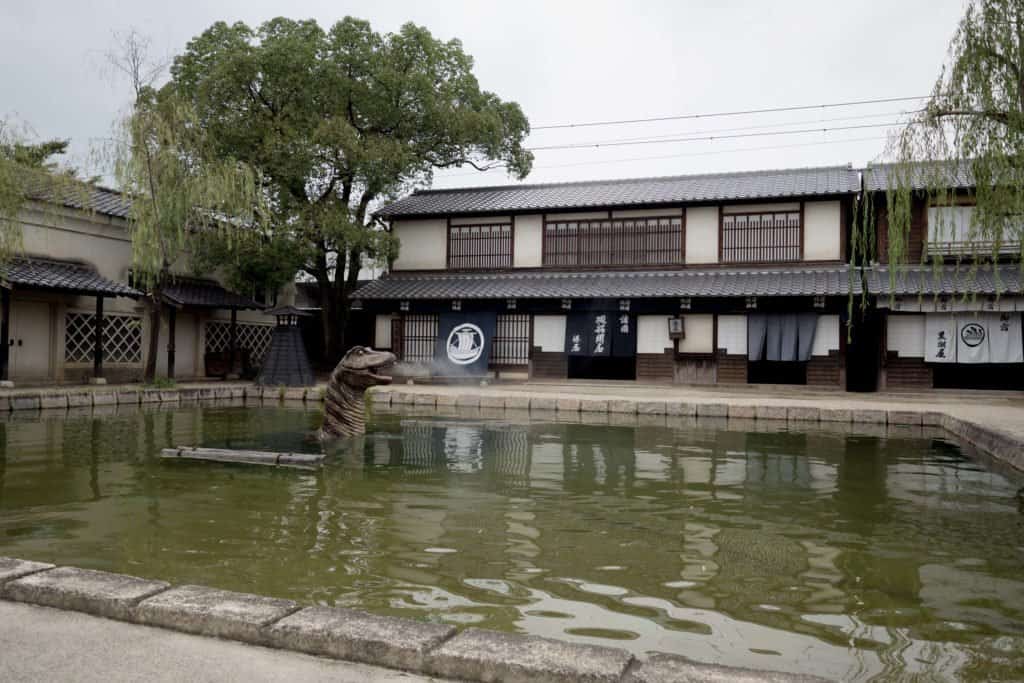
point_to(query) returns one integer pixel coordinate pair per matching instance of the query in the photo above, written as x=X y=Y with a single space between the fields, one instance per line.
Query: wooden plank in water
x=271 y=459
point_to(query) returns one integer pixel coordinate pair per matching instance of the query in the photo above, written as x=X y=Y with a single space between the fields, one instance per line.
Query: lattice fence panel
x=122 y=337
x=252 y=336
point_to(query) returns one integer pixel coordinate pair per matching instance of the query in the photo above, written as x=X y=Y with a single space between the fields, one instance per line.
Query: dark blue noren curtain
x=623 y=335
x=464 y=342
x=757 y=328
x=790 y=336
x=808 y=325
x=577 y=334
x=773 y=339
x=600 y=334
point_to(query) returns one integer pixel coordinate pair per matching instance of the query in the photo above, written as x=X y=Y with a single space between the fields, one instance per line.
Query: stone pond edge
x=417 y=646
x=1000 y=446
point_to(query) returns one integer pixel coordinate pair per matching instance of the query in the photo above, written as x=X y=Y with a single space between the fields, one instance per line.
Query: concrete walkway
x=45 y=644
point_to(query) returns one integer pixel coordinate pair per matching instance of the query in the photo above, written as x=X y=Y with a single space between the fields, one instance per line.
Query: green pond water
x=852 y=556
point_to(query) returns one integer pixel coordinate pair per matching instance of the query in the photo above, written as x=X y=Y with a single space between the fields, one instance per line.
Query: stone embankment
x=417 y=646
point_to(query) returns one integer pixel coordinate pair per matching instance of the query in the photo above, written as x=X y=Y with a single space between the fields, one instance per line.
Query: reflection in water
x=845 y=555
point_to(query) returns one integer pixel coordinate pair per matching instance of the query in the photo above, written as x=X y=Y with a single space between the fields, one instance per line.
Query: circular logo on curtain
x=972 y=334
x=465 y=344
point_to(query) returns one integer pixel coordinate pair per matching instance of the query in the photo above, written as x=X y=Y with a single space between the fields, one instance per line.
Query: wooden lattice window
x=762 y=237
x=511 y=343
x=614 y=242
x=122 y=337
x=419 y=335
x=252 y=336
x=480 y=246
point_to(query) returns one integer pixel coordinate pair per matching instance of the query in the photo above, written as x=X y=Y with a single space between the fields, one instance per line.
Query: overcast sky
x=564 y=62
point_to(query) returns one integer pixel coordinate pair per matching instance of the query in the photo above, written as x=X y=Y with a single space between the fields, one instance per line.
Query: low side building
x=705 y=279
x=74 y=270
x=951 y=319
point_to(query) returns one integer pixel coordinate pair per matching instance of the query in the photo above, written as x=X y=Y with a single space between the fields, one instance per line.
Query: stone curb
x=393 y=642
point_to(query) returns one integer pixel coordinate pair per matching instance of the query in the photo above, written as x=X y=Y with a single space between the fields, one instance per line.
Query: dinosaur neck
x=344 y=413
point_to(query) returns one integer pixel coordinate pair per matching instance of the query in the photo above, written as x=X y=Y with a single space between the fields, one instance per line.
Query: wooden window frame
x=482 y=260
x=799 y=248
x=616 y=237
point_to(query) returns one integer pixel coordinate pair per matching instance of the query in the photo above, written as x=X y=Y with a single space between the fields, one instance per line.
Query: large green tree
x=972 y=125
x=338 y=120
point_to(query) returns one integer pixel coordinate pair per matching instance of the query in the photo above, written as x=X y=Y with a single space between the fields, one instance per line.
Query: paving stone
x=869 y=416
x=149 y=396
x=712 y=410
x=770 y=412
x=905 y=417
x=468 y=401
x=444 y=400
x=25 y=402
x=212 y=612
x=12 y=568
x=210 y=393
x=540 y=403
x=170 y=396
x=517 y=402
x=568 y=405
x=53 y=399
x=620 y=406
x=294 y=393
x=5 y=403
x=491 y=401
x=84 y=590
x=188 y=394
x=835 y=415
x=427 y=400
x=803 y=414
x=593 y=405
x=681 y=408
x=380 y=398
x=651 y=408
x=663 y=668
x=104 y=398
x=79 y=399
x=931 y=419
x=358 y=636
x=479 y=655
x=742 y=412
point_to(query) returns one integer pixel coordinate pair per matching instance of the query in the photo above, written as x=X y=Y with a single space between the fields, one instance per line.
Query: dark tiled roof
x=205 y=294
x=950 y=280
x=798 y=182
x=81 y=196
x=880 y=177
x=63 y=276
x=711 y=282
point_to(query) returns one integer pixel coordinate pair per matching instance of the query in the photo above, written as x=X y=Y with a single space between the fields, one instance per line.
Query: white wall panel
x=826 y=335
x=732 y=334
x=549 y=332
x=905 y=335
x=822 y=231
x=423 y=244
x=529 y=246
x=700 y=334
x=702 y=234
x=652 y=334
x=382 y=332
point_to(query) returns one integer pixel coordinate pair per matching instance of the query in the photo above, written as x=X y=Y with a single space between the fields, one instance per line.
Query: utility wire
x=802 y=131
x=768 y=110
x=736 y=150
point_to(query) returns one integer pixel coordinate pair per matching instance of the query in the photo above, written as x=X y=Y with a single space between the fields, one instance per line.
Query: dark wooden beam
x=172 y=317
x=97 y=349
x=5 y=334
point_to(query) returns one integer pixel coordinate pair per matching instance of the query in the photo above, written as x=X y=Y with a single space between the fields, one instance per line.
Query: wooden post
x=97 y=349
x=5 y=334
x=172 y=315
x=233 y=341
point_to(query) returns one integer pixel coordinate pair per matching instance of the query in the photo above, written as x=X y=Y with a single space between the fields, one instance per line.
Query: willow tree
x=968 y=139
x=178 y=188
x=338 y=120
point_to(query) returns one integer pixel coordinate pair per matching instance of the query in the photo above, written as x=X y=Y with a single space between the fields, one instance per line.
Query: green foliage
x=972 y=125
x=161 y=383
x=337 y=120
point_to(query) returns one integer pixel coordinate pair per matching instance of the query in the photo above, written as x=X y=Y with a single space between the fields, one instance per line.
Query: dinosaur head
x=362 y=368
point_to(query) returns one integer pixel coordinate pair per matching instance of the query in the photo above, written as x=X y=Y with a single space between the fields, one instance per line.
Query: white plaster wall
x=382 y=332
x=752 y=208
x=32 y=334
x=826 y=335
x=645 y=213
x=700 y=334
x=905 y=335
x=732 y=334
x=423 y=244
x=577 y=216
x=529 y=246
x=652 y=334
x=822 y=231
x=702 y=234
x=549 y=332
x=480 y=220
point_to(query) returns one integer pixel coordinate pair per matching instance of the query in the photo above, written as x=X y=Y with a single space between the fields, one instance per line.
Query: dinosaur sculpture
x=344 y=409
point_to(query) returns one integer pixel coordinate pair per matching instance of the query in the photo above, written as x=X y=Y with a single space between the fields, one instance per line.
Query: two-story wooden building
x=952 y=318
x=703 y=279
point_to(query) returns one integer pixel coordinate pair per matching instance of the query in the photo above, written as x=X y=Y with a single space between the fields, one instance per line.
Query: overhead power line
x=709 y=138
x=768 y=110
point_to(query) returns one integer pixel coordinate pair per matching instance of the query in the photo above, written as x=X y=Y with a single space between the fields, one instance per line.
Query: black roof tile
x=769 y=184
x=62 y=276
x=948 y=280
x=205 y=294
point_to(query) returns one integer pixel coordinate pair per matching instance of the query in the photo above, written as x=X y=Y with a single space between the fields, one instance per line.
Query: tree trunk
x=154 y=337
